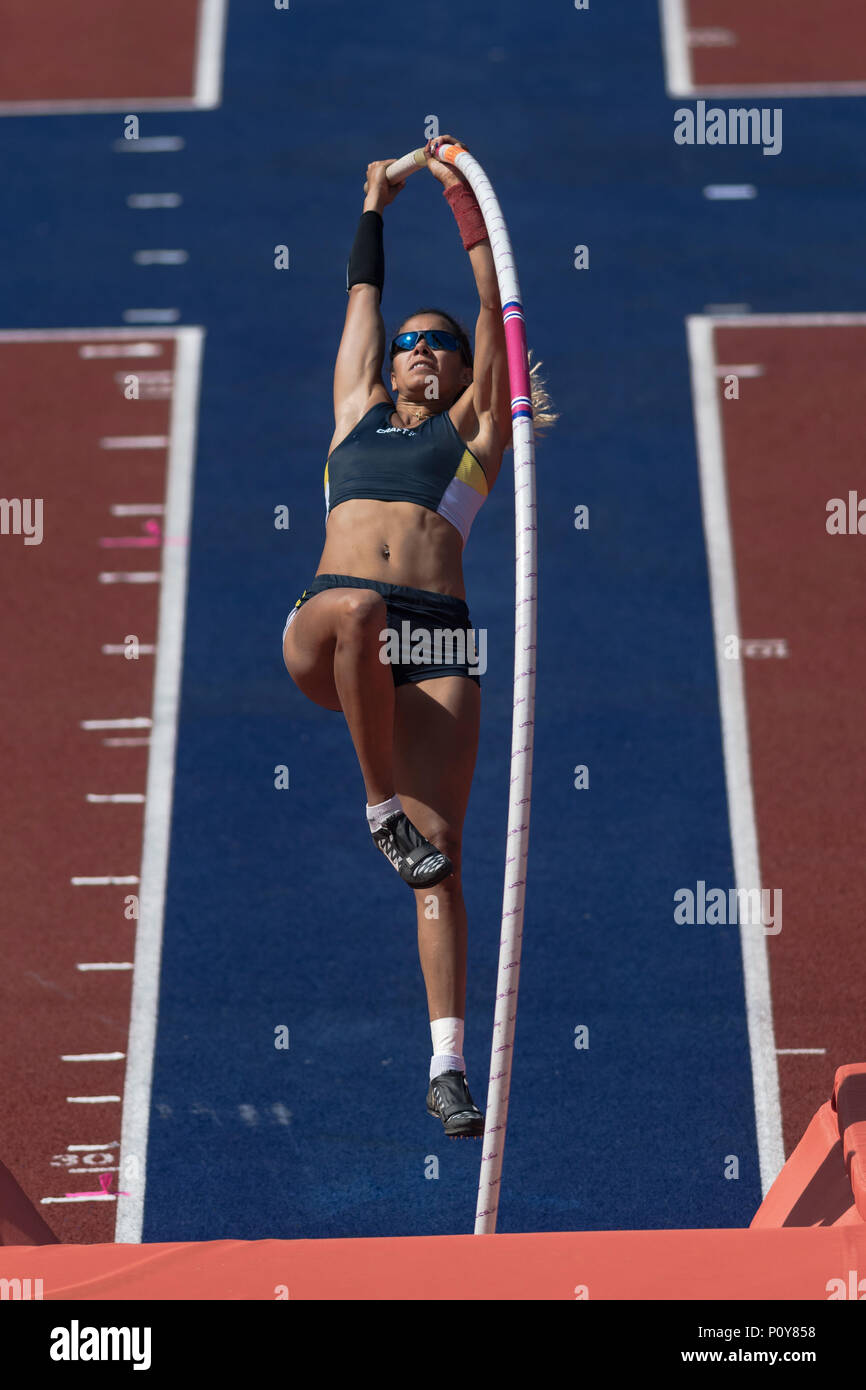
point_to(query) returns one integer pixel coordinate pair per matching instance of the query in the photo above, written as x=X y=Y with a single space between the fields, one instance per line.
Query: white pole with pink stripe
x=523 y=720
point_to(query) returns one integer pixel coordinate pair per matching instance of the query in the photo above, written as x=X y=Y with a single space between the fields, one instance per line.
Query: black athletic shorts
x=429 y=634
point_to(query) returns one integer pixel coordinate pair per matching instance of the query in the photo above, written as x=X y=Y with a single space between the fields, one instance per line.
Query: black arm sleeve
x=366 y=264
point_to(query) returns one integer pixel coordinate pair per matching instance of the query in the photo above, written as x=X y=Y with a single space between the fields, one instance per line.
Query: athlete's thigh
x=436 y=724
x=311 y=637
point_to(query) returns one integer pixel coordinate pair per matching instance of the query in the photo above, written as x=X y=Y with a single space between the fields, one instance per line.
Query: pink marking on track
x=104 y=1185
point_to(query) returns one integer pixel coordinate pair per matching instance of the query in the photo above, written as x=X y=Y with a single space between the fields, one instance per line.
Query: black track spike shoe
x=415 y=859
x=449 y=1099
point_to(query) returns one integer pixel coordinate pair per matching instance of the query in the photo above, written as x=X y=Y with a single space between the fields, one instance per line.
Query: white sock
x=447 y=1035
x=376 y=814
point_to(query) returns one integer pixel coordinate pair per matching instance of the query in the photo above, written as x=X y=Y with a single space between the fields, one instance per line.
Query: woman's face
x=425 y=373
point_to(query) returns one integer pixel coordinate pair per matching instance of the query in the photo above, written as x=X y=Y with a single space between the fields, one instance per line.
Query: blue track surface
x=278 y=909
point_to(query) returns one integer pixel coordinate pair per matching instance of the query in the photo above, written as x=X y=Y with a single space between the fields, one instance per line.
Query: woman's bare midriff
x=394 y=543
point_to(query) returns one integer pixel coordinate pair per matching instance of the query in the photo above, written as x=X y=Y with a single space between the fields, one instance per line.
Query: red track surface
x=54 y=51
x=793 y=440
x=55 y=407
x=780 y=41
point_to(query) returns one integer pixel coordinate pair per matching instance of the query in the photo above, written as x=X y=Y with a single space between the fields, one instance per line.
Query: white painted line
x=96 y=1168
x=724 y=310
x=729 y=191
x=91 y=1100
x=779 y=89
x=673 y=18
x=134 y=441
x=125 y=742
x=118 y=649
x=130 y=577
x=91 y=1056
x=711 y=38
x=800 y=320
x=102 y=881
x=121 y=350
x=105 y=965
x=116 y=796
x=801 y=1051
x=172 y=613
x=80 y=1148
x=82 y=107
x=151 y=315
x=141 y=722
x=159 y=257
x=154 y=200
x=210 y=42
x=137 y=509
x=159 y=144
x=735 y=736
x=81 y=335
x=741 y=369
x=98 y=1197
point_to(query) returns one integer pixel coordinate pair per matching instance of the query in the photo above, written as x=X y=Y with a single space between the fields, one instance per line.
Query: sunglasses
x=434 y=338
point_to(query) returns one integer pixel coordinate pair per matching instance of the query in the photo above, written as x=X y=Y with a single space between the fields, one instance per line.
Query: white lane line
x=102 y=881
x=160 y=779
x=136 y=509
x=801 y=1051
x=711 y=38
x=134 y=441
x=102 y=1168
x=130 y=577
x=118 y=649
x=735 y=738
x=140 y=722
x=718 y=192
x=210 y=42
x=83 y=106
x=116 y=796
x=82 y=1148
x=154 y=200
x=160 y=257
x=96 y=1197
x=741 y=369
x=120 y=350
x=91 y=1056
x=799 y=320
x=125 y=742
x=151 y=315
x=104 y=965
x=92 y=1100
x=673 y=18
x=149 y=144
x=779 y=89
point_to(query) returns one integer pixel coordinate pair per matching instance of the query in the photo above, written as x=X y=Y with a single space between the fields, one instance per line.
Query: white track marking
x=801 y=1051
x=102 y=881
x=130 y=577
x=149 y=144
x=160 y=257
x=142 y=722
x=118 y=649
x=82 y=1148
x=210 y=44
x=125 y=742
x=718 y=192
x=92 y=1100
x=795 y=321
x=160 y=777
x=120 y=350
x=134 y=441
x=116 y=796
x=151 y=315
x=741 y=369
x=137 y=509
x=741 y=810
x=91 y=1056
x=97 y=1197
x=104 y=965
x=678 y=63
x=154 y=200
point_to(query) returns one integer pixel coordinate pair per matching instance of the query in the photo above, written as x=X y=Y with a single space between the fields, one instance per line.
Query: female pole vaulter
x=404 y=480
